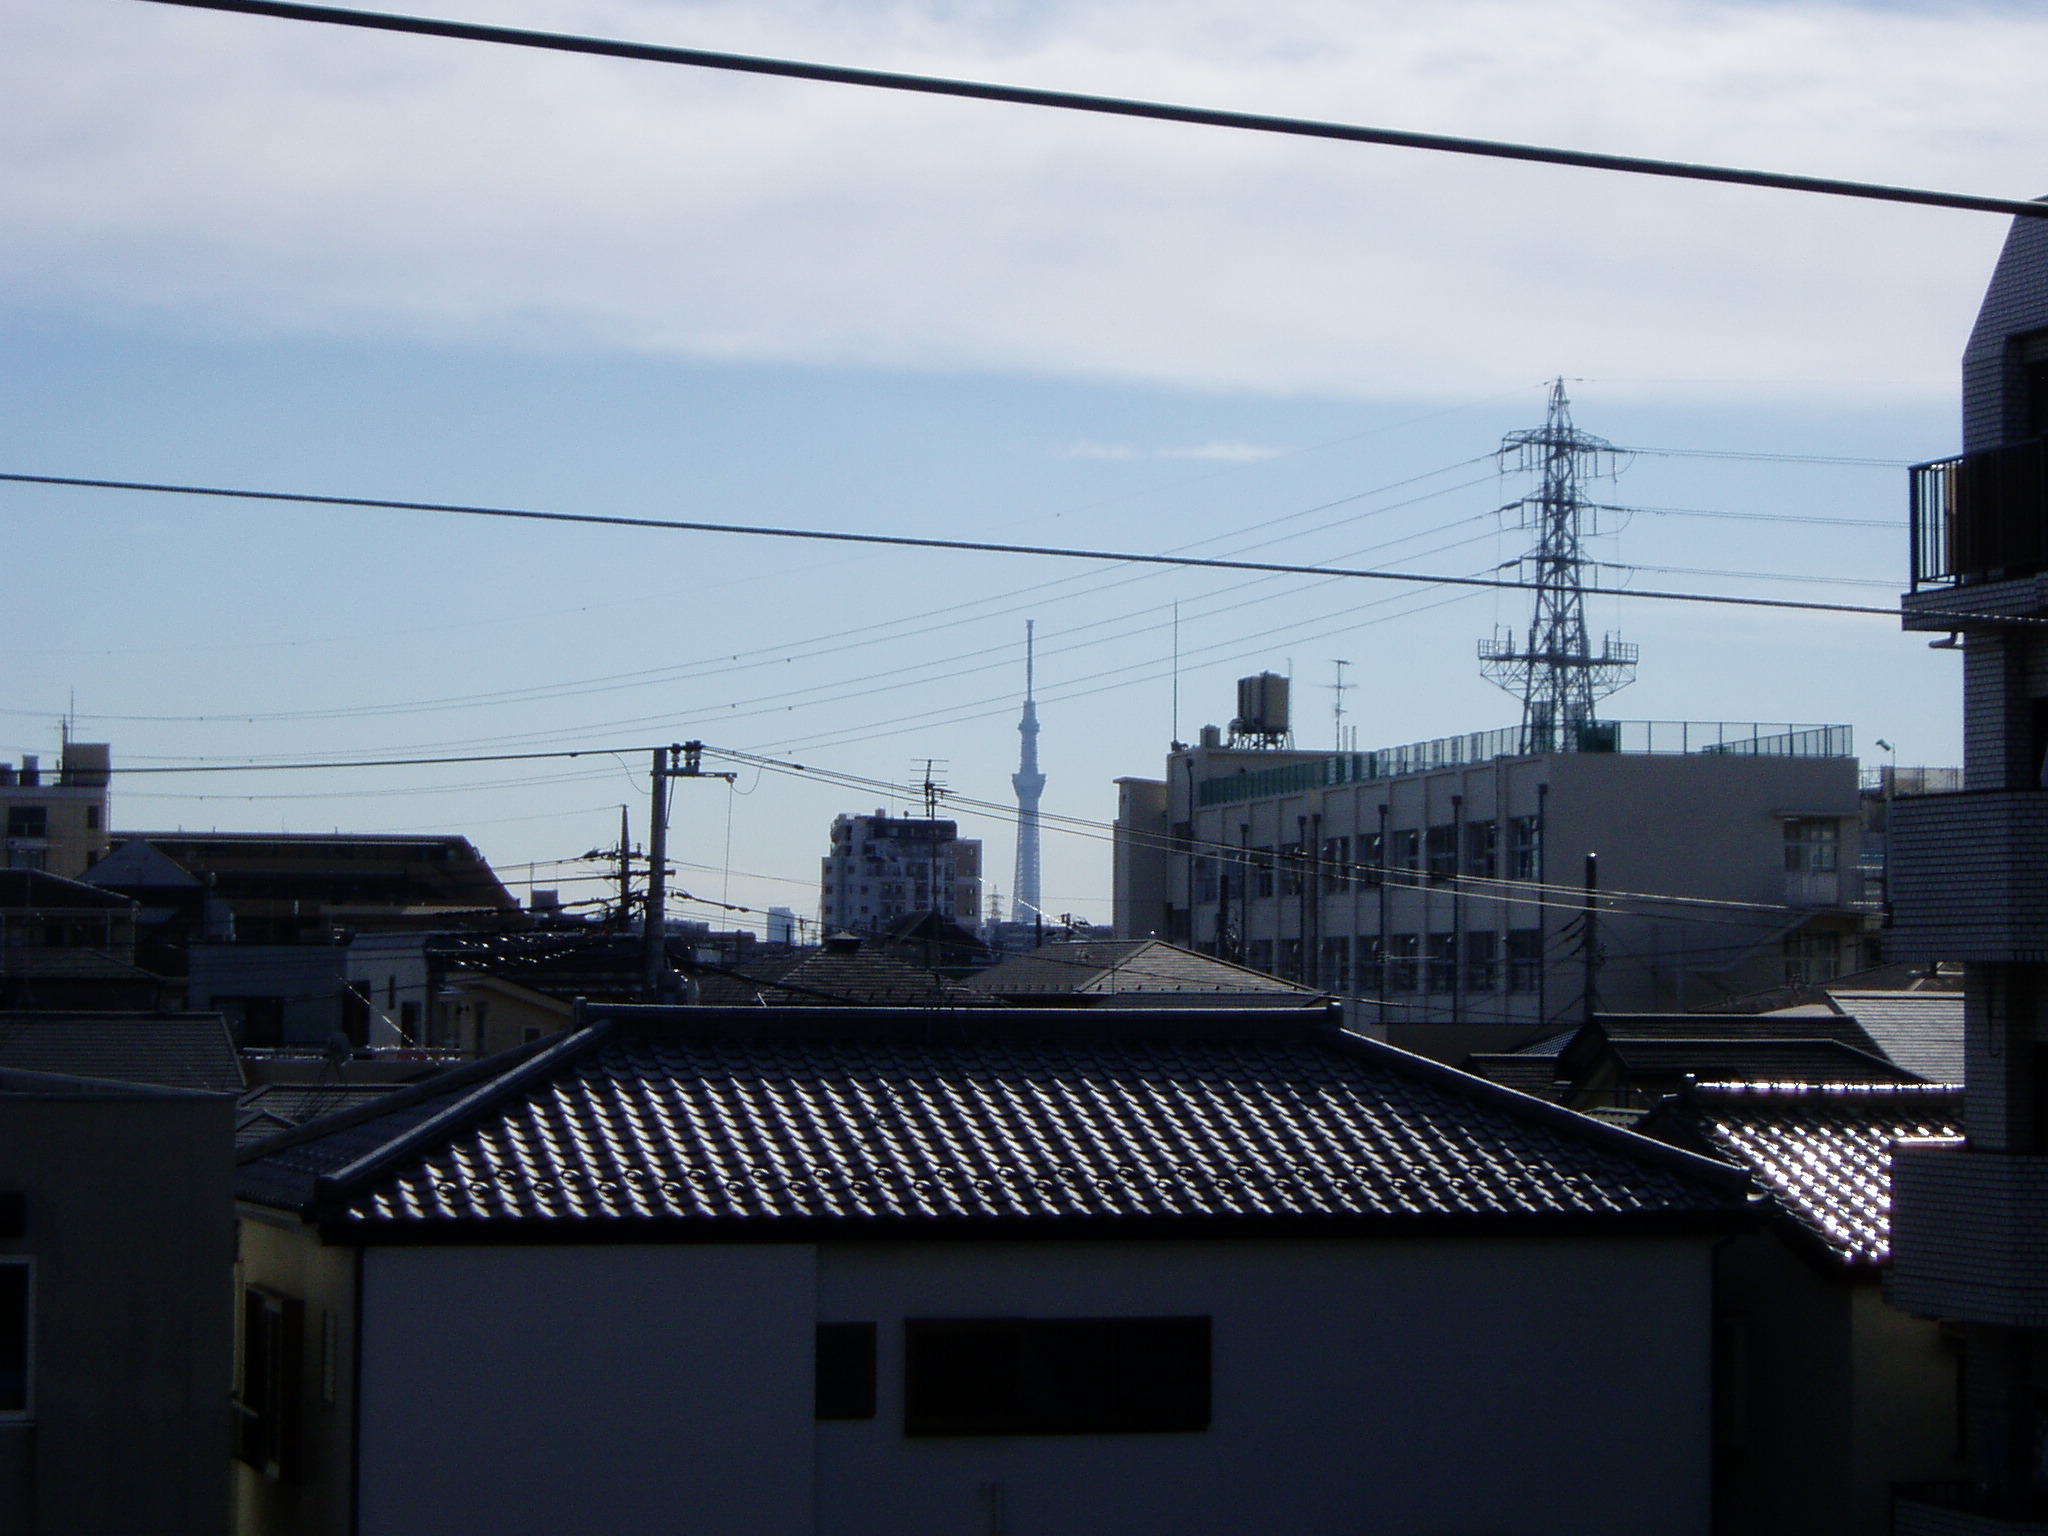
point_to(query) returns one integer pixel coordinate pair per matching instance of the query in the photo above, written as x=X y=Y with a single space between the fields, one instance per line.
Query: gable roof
x=266 y=1111
x=1117 y=966
x=800 y=1124
x=137 y=865
x=1821 y=1151
x=169 y=1050
x=1921 y=1031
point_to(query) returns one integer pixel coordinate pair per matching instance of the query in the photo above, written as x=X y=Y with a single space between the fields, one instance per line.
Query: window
x=17 y=1338
x=1372 y=853
x=92 y=818
x=1370 y=958
x=1290 y=959
x=1205 y=880
x=1336 y=865
x=1525 y=959
x=845 y=1378
x=1442 y=972
x=1442 y=848
x=1259 y=955
x=1479 y=849
x=28 y=821
x=1407 y=850
x=1262 y=871
x=1290 y=869
x=1812 y=844
x=1812 y=958
x=1525 y=848
x=1335 y=973
x=1482 y=962
x=1402 y=950
x=1065 y=1376
x=268 y=1395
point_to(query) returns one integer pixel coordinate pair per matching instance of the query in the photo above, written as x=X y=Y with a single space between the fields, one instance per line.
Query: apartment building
x=1473 y=894
x=57 y=822
x=885 y=867
x=1969 y=883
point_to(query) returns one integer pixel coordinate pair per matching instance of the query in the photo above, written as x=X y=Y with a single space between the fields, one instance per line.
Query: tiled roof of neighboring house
x=1822 y=1151
x=805 y=1122
x=169 y=1050
x=823 y=977
x=1921 y=1031
x=39 y=890
x=1756 y=1061
x=275 y=1107
x=1121 y=966
x=1523 y=1071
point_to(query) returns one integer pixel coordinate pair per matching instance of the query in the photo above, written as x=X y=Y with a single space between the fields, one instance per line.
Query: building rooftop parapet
x=1661 y=737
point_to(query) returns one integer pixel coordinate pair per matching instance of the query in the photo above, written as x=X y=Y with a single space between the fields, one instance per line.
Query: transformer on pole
x=1554 y=669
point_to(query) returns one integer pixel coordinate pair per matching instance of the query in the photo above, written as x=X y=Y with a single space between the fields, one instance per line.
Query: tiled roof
x=806 y=1122
x=1921 y=1031
x=827 y=976
x=1822 y=1151
x=264 y=1112
x=1792 y=1060
x=1523 y=1072
x=169 y=1050
x=1123 y=965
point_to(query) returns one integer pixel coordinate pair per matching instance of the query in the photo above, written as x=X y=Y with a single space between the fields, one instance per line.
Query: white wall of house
x=1420 y=1387
x=539 y=1391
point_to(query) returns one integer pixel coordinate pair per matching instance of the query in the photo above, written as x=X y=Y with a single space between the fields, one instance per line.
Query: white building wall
x=1411 y=1387
x=628 y=1391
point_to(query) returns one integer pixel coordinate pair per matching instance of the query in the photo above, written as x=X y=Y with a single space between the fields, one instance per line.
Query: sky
x=243 y=252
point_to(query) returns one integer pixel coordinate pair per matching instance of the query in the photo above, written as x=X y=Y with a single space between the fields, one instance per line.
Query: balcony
x=1813 y=888
x=1981 y=517
x=1952 y=1509
x=1969 y=877
x=1969 y=1234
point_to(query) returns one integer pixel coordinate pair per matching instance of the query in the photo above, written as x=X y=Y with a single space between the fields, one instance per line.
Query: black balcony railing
x=1982 y=516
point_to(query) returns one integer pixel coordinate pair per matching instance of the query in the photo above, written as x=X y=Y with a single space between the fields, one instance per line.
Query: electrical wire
x=1114 y=106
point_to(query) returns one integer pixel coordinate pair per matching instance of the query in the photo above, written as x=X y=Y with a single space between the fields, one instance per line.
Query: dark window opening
x=267 y=1398
x=1480 y=846
x=1442 y=846
x=1065 y=1376
x=1482 y=964
x=28 y=821
x=1525 y=959
x=254 y=1022
x=845 y=1373
x=2034 y=397
x=1402 y=949
x=16 y=1331
x=1442 y=972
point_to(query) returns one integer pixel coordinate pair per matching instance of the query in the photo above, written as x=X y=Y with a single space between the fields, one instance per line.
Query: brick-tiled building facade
x=1970 y=884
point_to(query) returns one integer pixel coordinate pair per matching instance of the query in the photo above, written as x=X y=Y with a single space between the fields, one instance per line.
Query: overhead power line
x=1112 y=106
x=971 y=546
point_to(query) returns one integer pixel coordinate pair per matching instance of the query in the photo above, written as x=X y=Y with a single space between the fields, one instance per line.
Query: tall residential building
x=1443 y=885
x=885 y=867
x=1029 y=784
x=1969 y=883
x=57 y=822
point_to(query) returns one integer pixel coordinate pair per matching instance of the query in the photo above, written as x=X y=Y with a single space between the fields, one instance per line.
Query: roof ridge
x=1556 y=1116
x=401 y=1097
x=331 y=1187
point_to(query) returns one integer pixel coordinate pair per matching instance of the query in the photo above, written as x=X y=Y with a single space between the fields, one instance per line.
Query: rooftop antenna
x=933 y=787
x=1554 y=669
x=1340 y=688
x=1029 y=784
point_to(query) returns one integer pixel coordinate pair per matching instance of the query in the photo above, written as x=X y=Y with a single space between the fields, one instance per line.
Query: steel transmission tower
x=1554 y=671
x=1029 y=784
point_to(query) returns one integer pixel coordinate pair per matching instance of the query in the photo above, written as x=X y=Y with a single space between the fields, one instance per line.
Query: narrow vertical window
x=17 y=1336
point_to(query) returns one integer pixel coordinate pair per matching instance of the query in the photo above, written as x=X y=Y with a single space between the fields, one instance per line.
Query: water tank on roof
x=1261 y=710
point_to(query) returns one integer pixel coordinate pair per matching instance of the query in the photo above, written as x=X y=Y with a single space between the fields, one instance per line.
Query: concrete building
x=57 y=822
x=1969 y=883
x=1444 y=883
x=885 y=867
x=116 y=1337
x=991 y=1270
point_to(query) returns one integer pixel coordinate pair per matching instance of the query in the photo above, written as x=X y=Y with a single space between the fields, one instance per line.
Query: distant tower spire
x=1029 y=784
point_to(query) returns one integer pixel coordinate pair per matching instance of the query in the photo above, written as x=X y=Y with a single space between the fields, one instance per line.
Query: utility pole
x=681 y=761
x=1590 y=936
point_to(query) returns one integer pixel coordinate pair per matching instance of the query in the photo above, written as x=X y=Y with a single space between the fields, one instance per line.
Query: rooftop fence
x=1661 y=737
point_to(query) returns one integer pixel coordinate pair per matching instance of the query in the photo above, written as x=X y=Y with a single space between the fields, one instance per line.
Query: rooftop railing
x=1660 y=737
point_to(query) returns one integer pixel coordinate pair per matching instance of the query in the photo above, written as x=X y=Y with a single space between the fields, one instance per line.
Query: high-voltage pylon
x=1553 y=669
x=1029 y=784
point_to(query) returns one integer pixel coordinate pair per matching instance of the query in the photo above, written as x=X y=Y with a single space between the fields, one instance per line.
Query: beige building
x=1444 y=885
x=57 y=821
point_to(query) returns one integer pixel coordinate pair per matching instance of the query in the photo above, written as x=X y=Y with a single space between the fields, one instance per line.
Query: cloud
x=254 y=175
